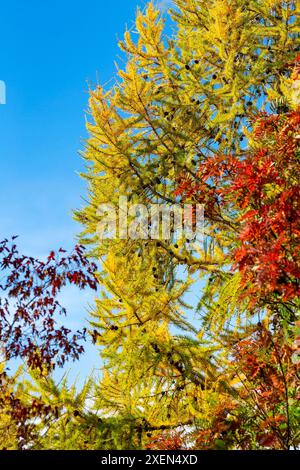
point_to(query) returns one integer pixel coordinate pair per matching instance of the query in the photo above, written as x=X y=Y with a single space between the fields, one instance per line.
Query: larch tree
x=185 y=100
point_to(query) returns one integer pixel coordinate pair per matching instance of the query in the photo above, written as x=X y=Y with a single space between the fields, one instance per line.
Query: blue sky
x=50 y=51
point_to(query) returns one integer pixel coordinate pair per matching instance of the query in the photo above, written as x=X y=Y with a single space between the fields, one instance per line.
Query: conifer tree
x=180 y=100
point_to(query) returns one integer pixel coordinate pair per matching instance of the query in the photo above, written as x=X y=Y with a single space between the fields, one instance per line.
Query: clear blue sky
x=49 y=52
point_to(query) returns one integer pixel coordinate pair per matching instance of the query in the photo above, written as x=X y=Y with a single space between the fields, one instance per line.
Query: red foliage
x=262 y=417
x=264 y=189
x=28 y=327
x=167 y=441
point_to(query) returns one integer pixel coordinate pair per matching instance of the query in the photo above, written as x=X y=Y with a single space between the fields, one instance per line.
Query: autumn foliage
x=199 y=342
x=265 y=186
x=30 y=329
x=30 y=307
x=263 y=189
